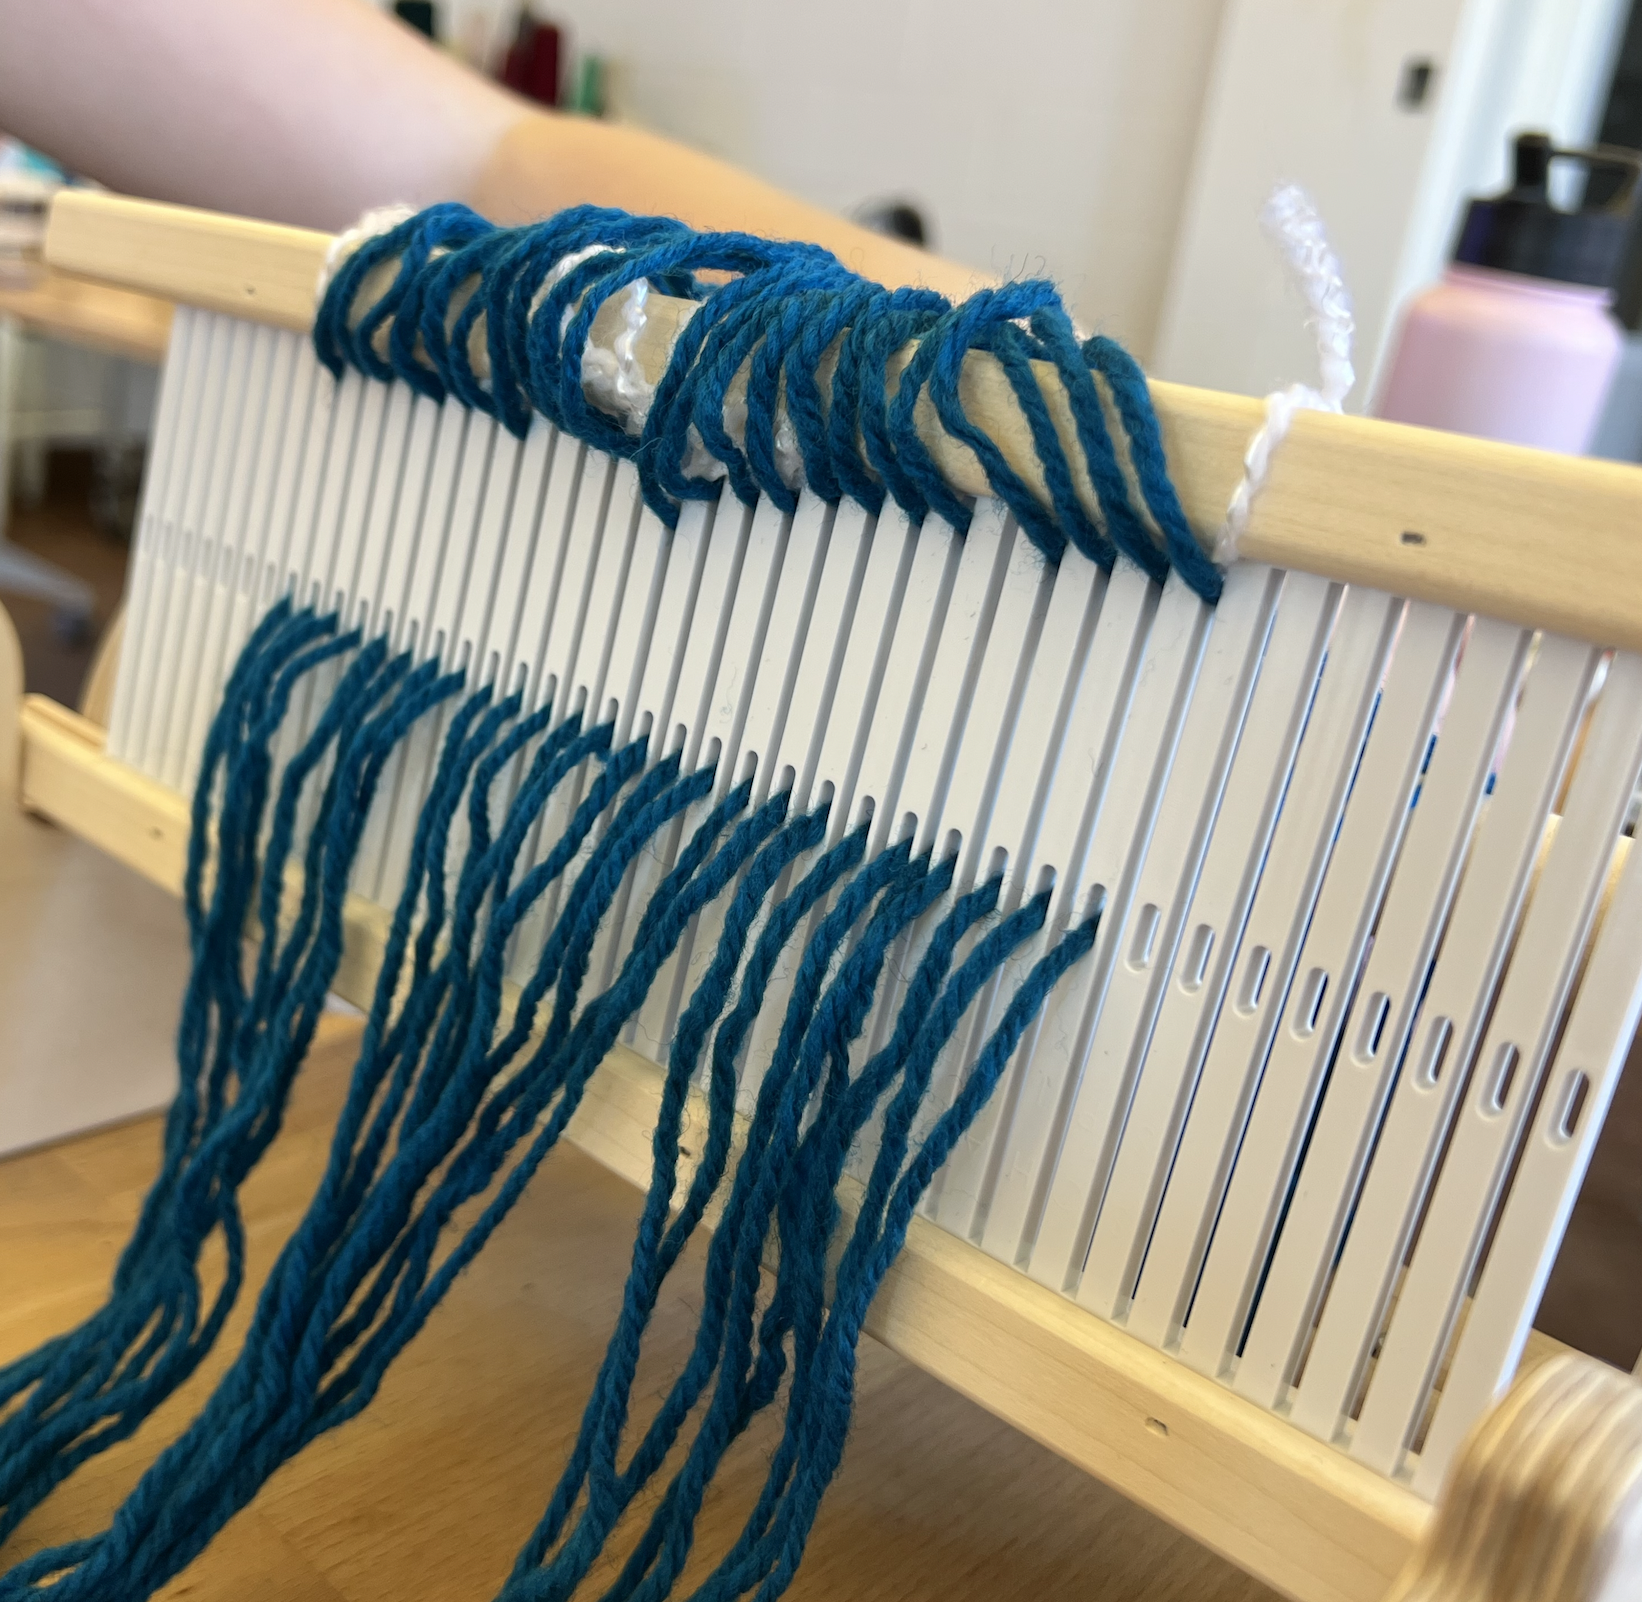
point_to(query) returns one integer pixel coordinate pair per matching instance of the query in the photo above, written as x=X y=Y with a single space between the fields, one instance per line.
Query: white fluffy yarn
x=1296 y=229
x=380 y=220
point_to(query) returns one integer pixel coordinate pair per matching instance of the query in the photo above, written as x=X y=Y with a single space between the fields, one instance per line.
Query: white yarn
x=615 y=378
x=380 y=220
x=1295 y=228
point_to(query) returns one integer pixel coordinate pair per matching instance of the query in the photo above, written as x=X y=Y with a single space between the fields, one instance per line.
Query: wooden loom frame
x=1464 y=523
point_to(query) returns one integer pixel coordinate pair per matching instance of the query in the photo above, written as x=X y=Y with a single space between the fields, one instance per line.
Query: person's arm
x=311 y=111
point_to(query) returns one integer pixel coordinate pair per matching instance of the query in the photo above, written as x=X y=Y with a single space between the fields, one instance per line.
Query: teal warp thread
x=474 y=1166
x=1128 y=532
x=770 y=358
x=827 y=316
x=810 y=1213
x=48 y=1561
x=907 y=314
x=385 y=1049
x=407 y=1263
x=1134 y=403
x=747 y=1380
x=177 y=1532
x=657 y=1245
x=158 y=1270
x=140 y=1387
x=737 y=1241
x=442 y=1110
x=784 y=307
x=248 y=1470
x=768 y=1558
x=89 y=1373
x=810 y=1208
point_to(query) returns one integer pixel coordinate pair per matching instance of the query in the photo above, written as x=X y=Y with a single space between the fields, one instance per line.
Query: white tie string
x=1295 y=228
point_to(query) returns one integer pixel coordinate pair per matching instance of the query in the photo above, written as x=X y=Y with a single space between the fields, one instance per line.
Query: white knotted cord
x=1295 y=228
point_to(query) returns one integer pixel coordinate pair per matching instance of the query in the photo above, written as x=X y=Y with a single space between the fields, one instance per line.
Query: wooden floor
x=427 y=1495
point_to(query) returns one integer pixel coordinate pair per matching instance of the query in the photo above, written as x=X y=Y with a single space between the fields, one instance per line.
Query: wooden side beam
x=1287 y=1509
x=1536 y=539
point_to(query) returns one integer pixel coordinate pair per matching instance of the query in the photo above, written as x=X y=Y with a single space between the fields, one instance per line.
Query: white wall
x=1041 y=136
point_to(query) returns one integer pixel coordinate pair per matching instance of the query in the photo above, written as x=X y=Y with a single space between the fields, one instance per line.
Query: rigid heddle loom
x=788 y=738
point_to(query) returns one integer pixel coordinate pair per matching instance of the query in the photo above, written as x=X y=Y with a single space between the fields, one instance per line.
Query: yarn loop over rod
x=801 y=350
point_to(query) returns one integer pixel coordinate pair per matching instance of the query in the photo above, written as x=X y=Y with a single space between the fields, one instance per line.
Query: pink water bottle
x=1518 y=341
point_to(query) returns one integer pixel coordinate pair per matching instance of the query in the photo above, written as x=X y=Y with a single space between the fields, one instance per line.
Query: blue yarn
x=810 y=1210
x=64 y=1362
x=431 y=1123
x=771 y=359
x=451 y=1103
x=783 y=307
x=656 y=1250
x=733 y=341
x=1134 y=403
x=209 y=1149
x=772 y=1544
x=342 y=765
x=887 y=325
x=470 y=1173
x=271 y=644
x=826 y=317
x=733 y=1258
x=230 y=1473
x=1123 y=526
x=385 y=1048
x=747 y=1379
x=168 y=1519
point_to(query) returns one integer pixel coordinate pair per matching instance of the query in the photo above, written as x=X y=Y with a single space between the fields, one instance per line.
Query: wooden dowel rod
x=1538 y=539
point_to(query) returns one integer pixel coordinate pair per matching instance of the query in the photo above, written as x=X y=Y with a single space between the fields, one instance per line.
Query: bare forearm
x=544 y=162
x=310 y=111
x=302 y=111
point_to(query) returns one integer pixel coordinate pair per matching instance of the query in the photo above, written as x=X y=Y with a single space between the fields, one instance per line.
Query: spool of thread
x=532 y=64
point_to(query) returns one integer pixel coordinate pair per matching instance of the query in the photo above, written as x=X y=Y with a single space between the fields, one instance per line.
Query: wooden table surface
x=427 y=1495
x=120 y=322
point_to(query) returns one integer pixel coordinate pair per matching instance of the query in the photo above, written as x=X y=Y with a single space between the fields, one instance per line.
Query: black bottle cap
x=420 y=15
x=1521 y=231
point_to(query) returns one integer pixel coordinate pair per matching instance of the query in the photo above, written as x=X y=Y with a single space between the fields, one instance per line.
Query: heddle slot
x=1461 y=985
x=1405 y=939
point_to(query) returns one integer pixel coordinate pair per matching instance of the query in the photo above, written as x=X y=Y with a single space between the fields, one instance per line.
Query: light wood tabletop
x=429 y=1493
x=120 y=322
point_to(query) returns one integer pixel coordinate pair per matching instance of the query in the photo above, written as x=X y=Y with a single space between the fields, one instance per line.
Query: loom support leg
x=11 y=706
